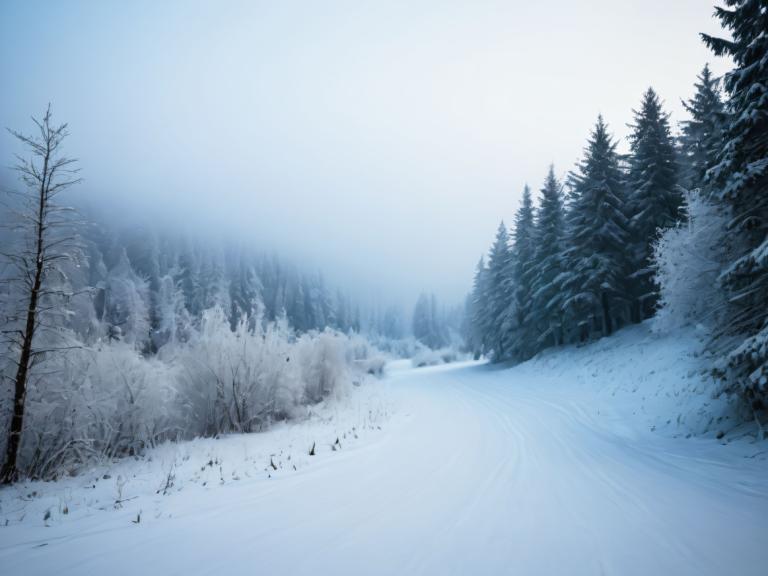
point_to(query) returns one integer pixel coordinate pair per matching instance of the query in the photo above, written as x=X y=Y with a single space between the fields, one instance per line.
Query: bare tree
x=43 y=239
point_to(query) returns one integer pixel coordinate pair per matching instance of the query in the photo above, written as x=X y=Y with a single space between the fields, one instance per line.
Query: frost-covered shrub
x=688 y=260
x=134 y=399
x=237 y=380
x=691 y=266
x=322 y=360
x=428 y=357
x=365 y=357
x=243 y=379
x=398 y=347
x=92 y=403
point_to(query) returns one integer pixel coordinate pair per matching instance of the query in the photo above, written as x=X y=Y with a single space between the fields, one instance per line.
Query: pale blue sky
x=381 y=141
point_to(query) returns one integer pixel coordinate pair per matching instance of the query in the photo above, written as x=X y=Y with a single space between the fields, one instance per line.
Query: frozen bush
x=95 y=403
x=398 y=347
x=236 y=380
x=324 y=369
x=137 y=398
x=688 y=259
x=365 y=357
x=428 y=357
x=241 y=380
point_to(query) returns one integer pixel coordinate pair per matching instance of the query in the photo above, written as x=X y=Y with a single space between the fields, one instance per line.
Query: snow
x=576 y=462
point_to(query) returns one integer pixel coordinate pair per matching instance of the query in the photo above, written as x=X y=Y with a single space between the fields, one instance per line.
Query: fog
x=381 y=142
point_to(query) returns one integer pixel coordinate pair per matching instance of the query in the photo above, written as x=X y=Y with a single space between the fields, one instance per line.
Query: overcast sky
x=381 y=141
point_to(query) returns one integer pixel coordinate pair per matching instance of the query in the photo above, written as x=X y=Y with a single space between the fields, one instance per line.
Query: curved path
x=476 y=474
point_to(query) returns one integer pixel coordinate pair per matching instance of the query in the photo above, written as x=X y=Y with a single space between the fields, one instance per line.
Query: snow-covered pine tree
x=497 y=294
x=187 y=277
x=439 y=323
x=127 y=304
x=653 y=196
x=596 y=263
x=390 y=323
x=174 y=322
x=294 y=305
x=477 y=311
x=342 y=313
x=319 y=301
x=546 y=307
x=701 y=137
x=271 y=274
x=518 y=336
x=740 y=180
x=427 y=324
x=420 y=320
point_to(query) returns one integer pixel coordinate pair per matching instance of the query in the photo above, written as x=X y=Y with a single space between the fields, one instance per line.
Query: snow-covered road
x=475 y=474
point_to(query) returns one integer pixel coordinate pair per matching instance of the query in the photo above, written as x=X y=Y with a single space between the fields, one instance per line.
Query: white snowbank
x=144 y=486
x=640 y=379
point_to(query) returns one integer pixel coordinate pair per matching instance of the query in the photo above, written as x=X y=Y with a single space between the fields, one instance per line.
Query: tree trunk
x=607 y=322
x=9 y=471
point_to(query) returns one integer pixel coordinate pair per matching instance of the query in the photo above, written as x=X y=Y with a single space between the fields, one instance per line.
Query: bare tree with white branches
x=42 y=239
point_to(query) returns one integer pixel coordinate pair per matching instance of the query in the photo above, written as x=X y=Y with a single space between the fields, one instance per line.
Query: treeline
x=434 y=325
x=432 y=333
x=151 y=286
x=615 y=240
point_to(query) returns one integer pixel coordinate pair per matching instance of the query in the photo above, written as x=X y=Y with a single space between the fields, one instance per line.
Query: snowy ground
x=575 y=463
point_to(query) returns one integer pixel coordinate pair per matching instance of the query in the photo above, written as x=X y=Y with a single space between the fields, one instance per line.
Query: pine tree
x=595 y=284
x=546 y=312
x=516 y=324
x=245 y=289
x=325 y=315
x=702 y=135
x=497 y=293
x=427 y=325
x=654 y=199
x=420 y=321
x=127 y=304
x=343 y=321
x=476 y=313
x=741 y=182
x=295 y=306
x=187 y=277
x=356 y=320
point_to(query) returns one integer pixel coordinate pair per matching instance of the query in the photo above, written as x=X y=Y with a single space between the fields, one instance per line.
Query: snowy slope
x=550 y=467
x=640 y=380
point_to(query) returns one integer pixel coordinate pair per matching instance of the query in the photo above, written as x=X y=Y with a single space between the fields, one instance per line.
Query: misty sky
x=380 y=141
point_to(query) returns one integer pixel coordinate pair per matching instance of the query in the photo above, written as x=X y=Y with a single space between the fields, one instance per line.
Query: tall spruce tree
x=518 y=338
x=595 y=284
x=498 y=296
x=546 y=301
x=476 y=313
x=653 y=195
x=702 y=134
x=741 y=182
